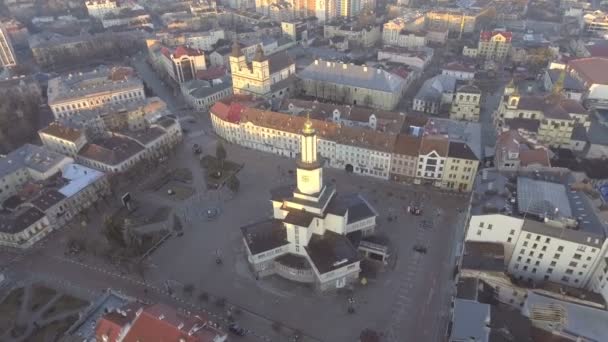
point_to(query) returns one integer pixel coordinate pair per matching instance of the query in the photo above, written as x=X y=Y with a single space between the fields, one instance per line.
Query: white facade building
x=71 y=94
x=549 y=230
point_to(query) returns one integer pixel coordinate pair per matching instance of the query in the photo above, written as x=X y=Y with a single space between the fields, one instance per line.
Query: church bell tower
x=309 y=169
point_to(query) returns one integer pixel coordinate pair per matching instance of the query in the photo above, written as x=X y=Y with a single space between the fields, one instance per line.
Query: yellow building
x=494 y=45
x=466 y=104
x=460 y=167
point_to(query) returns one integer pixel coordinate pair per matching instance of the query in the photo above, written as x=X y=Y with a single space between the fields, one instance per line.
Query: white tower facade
x=309 y=170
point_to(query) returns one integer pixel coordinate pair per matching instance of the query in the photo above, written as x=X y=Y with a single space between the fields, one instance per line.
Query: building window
x=512 y=232
x=573 y=264
x=556 y=256
x=560 y=248
x=549 y=270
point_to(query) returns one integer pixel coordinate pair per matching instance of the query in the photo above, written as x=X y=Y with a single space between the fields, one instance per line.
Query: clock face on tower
x=304 y=179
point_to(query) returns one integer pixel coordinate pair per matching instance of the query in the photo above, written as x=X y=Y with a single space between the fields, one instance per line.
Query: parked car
x=236 y=329
x=420 y=249
x=196 y=148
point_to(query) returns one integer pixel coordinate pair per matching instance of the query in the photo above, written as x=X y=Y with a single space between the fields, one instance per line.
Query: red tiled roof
x=211 y=73
x=437 y=143
x=159 y=322
x=534 y=157
x=112 y=323
x=592 y=70
x=487 y=35
x=180 y=51
x=228 y=112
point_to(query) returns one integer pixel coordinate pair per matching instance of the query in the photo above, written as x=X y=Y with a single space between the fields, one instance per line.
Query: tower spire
x=308 y=129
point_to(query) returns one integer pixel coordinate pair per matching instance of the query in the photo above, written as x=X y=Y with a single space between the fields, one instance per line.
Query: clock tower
x=309 y=169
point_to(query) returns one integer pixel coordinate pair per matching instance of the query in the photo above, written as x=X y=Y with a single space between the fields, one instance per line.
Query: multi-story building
x=572 y=89
x=596 y=22
x=41 y=191
x=365 y=36
x=395 y=32
x=461 y=71
x=62 y=139
x=551 y=120
x=460 y=167
x=202 y=94
x=591 y=72
x=266 y=76
x=28 y=163
x=513 y=152
x=117 y=152
x=493 y=45
x=456 y=20
x=353 y=84
x=466 y=104
x=432 y=156
x=434 y=94
x=405 y=158
x=364 y=141
x=68 y=95
x=7 y=53
x=546 y=223
x=295 y=31
x=417 y=59
x=99 y=8
x=129 y=19
x=182 y=63
x=309 y=220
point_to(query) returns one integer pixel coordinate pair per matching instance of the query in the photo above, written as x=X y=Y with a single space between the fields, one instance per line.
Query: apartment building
x=417 y=59
x=466 y=104
x=546 y=222
x=41 y=191
x=28 y=163
x=63 y=139
x=117 y=152
x=7 y=52
x=68 y=95
x=492 y=45
x=353 y=84
x=513 y=152
x=358 y=35
x=182 y=63
x=100 y=8
x=591 y=72
x=405 y=158
x=202 y=94
x=596 y=22
x=551 y=119
x=435 y=93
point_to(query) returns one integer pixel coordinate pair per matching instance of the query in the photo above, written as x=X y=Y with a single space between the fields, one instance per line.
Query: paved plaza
x=410 y=298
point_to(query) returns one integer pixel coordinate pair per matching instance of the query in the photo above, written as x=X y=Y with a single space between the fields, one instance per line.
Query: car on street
x=236 y=329
x=420 y=249
x=196 y=148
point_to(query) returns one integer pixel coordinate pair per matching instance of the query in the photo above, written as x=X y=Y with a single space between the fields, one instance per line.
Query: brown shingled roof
x=66 y=133
x=437 y=143
x=408 y=145
x=365 y=138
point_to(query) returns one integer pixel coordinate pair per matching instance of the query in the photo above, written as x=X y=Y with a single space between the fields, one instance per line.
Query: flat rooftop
x=92 y=83
x=30 y=156
x=549 y=194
